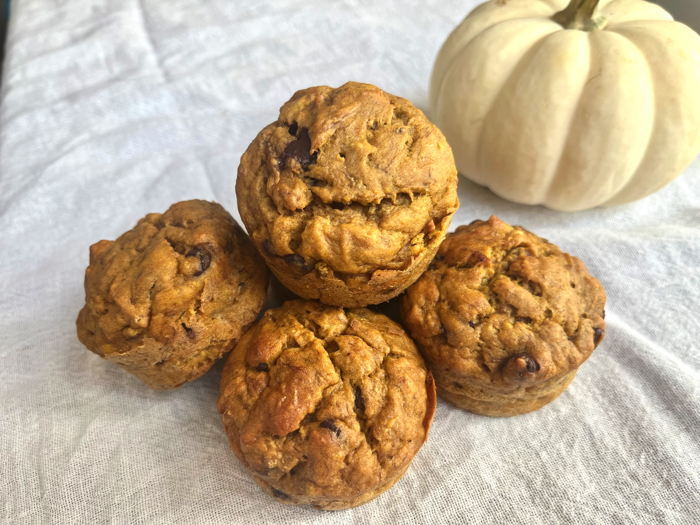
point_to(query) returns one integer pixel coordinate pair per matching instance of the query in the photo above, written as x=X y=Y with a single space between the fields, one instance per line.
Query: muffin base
x=480 y=399
x=332 y=504
x=164 y=366
x=322 y=284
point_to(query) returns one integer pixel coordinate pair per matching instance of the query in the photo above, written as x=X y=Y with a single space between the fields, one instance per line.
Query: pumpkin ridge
x=457 y=52
x=645 y=154
x=565 y=143
x=527 y=69
x=652 y=80
x=529 y=53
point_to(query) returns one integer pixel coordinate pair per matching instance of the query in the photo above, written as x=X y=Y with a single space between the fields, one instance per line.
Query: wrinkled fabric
x=110 y=110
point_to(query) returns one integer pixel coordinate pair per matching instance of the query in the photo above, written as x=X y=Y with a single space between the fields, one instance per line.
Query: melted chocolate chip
x=597 y=336
x=293 y=129
x=263 y=367
x=532 y=365
x=359 y=402
x=471 y=323
x=267 y=246
x=313 y=158
x=330 y=425
x=298 y=261
x=187 y=328
x=520 y=367
x=279 y=494
x=300 y=149
x=337 y=205
x=204 y=259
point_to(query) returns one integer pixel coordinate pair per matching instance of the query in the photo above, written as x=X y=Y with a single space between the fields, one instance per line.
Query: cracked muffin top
x=168 y=298
x=503 y=306
x=350 y=182
x=323 y=404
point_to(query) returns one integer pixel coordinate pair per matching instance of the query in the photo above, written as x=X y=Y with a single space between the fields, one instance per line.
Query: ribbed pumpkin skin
x=567 y=118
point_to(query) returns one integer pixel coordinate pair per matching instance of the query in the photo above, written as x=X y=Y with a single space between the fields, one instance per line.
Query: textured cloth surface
x=113 y=109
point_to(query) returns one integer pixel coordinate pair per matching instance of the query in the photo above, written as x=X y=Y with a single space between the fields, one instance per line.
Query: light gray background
x=111 y=110
x=686 y=11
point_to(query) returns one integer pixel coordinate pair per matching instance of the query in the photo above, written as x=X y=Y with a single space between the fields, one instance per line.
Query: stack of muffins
x=347 y=198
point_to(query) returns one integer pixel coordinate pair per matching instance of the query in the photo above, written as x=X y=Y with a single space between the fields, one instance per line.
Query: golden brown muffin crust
x=171 y=296
x=504 y=318
x=348 y=194
x=325 y=406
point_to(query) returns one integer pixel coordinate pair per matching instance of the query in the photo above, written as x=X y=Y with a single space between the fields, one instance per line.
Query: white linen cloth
x=113 y=109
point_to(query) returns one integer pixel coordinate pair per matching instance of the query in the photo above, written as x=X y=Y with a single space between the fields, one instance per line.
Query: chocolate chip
x=279 y=494
x=298 y=261
x=187 y=328
x=520 y=367
x=330 y=425
x=532 y=365
x=337 y=205
x=293 y=129
x=359 y=402
x=267 y=246
x=263 y=367
x=471 y=323
x=597 y=336
x=300 y=149
x=204 y=259
x=313 y=158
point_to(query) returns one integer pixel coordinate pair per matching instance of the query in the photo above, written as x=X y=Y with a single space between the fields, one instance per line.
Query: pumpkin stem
x=580 y=14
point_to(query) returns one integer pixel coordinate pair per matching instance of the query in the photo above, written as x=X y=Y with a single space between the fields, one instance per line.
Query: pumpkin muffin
x=170 y=297
x=504 y=318
x=348 y=195
x=326 y=406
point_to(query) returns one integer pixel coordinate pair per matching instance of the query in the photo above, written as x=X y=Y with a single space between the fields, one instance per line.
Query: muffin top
x=325 y=403
x=351 y=180
x=499 y=304
x=183 y=284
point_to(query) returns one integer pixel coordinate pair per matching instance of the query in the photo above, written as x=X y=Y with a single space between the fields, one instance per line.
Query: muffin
x=326 y=406
x=348 y=195
x=170 y=297
x=504 y=318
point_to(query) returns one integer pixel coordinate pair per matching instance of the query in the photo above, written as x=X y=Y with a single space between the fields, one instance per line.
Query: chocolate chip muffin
x=170 y=297
x=504 y=318
x=326 y=406
x=348 y=195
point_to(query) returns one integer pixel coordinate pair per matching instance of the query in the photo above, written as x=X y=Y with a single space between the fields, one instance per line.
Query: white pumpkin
x=571 y=107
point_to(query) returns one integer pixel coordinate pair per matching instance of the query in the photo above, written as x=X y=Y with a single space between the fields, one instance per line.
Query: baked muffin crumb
x=504 y=318
x=348 y=195
x=326 y=406
x=170 y=297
